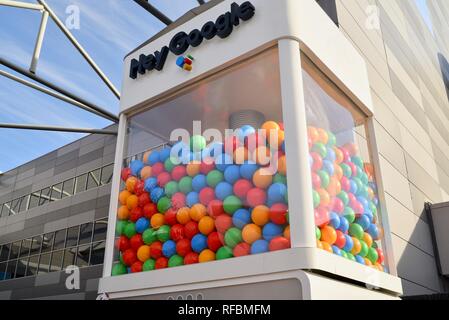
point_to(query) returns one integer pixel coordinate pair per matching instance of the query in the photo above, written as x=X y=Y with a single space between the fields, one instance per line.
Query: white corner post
x=300 y=202
x=39 y=41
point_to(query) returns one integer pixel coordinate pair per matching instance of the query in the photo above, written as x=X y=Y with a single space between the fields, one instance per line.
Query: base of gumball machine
x=293 y=274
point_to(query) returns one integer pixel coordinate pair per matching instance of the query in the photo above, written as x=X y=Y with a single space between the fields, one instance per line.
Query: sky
x=425 y=13
x=109 y=29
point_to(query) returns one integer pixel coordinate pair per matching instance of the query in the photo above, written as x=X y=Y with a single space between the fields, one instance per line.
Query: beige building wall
x=411 y=121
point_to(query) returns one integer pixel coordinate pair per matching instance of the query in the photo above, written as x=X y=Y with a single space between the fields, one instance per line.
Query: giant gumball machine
x=246 y=163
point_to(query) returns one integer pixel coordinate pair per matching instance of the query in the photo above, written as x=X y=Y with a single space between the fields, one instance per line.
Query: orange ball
x=281 y=138
x=262 y=178
x=240 y=155
x=352 y=148
x=145 y=156
x=262 y=155
x=131 y=183
x=270 y=125
x=328 y=234
x=132 y=202
x=123 y=196
x=197 y=212
x=313 y=134
x=206 y=256
x=287 y=232
x=378 y=266
x=251 y=233
x=319 y=245
x=327 y=247
x=357 y=247
x=261 y=215
x=338 y=155
x=371 y=193
x=323 y=137
x=368 y=239
x=123 y=213
x=183 y=215
x=334 y=187
x=143 y=253
x=193 y=168
x=145 y=173
x=157 y=220
x=325 y=198
x=282 y=165
x=206 y=225
x=338 y=171
x=368 y=262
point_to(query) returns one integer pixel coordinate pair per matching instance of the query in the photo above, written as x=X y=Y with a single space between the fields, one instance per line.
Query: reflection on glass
x=80 y=184
x=69 y=257
x=97 y=253
x=25 y=250
x=11 y=269
x=72 y=236
x=21 y=268
x=24 y=203
x=106 y=174
x=47 y=242
x=15 y=206
x=5 y=252
x=34 y=200
x=59 y=239
x=36 y=245
x=45 y=196
x=5 y=209
x=101 y=227
x=56 y=260
x=15 y=249
x=33 y=263
x=2 y=270
x=44 y=263
x=83 y=255
x=56 y=192
x=86 y=233
x=68 y=188
x=93 y=179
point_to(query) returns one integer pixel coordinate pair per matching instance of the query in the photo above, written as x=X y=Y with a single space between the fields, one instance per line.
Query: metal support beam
x=62 y=91
x=53 y=94
x=154 y=11
x=22 y=5
x=39 y=41
x=54 y=128
x=80 y=49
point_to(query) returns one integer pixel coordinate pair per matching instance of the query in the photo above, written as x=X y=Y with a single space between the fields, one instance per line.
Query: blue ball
x=328 y=167
x=164 y=154
x=363 y=201
x=352 y=186
x=283 y=146
x=142 y=224
x=136 y=166
x=223 y=190
x=344 y=224
x=245 y=131
x=154 y=158
x=232 y=174
x=199 y=182
x=241 y=218
x=271 y=230
x=247 y=170
x=259 y=246
x=373 y=231
x=331 y=155
x=349 y=243
x=222 y=161
x=276 y=192
x=359 y=259
x=336 y=250
x=199 y=243
x=150 y=184
x=364 y=222
x=334 y=220
x=310 y=161
x=192 y=199
x=156 y=194
x=169 y=248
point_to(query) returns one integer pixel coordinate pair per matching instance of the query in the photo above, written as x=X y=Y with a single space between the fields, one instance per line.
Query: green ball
x=169 y=164
x=121 y=259
x=163 y=233
x=364 y=178
x=325 y=179
x=149 y=236
x=197 y=143
x=343 y=196
x=346 y=170
x=279 y=178
x=372 y=255
x=350 y=256
x=316 y=199
x=286 y=197
x=149 y=265
x=320 y=148
x=287 y=217
x=364 y=249
x=231 y=204
x=175 y=261
x=332 y=141
x=120 y=227
x=185 y=185
x=233 y=237
x=344 y=254
x=356 y=230
x=374 y=246
x=119 y=269
x=163 y=204
x=171 y=188
x=359 y=184
x=224 y=253
x=130 y=230
x=317 y=233
x=214 y=177
x=349 y=214
x=357 y=161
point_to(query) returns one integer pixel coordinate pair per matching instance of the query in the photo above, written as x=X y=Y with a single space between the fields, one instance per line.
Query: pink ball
x=241 y=188
x=207 y=195
x=346 y=155
x=317 y=161
x=316 y=181
x=178 y=173
x=345 y=185
x=163 y=178
x=358 y=208
x=207 y=166
x=352 y=199
x=256 y=197
x=337 y=205
x=178 y=200
x=321 y=216
x=157 y=169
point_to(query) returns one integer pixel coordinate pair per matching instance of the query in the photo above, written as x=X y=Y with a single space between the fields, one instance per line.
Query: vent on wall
x=330 y=7
x=438 y=215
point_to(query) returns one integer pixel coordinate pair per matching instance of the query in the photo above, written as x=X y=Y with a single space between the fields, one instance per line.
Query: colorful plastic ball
x=340 y=242
x=360 y=259
x=148 y=265
x=337 y=205
x=223 y=161
x=135 y=214
x=122 y=243
x=206 y=195
x=171 y=188
x=271 y=231
x=214 y=177
x=316 y=199
x=320 y=148
x=183 y=215
x=191 y=258
x=241 y=218
x=207 y=165
x=215 y=208
x=328 y=234
x=276 y=192
x=343 y=196
x=163 y=233
x=334 y=220
x=241 y=188
x=145 y=173
x=197 y=212
x=357 y=247
x=317 y=233
x=282 y=165
x=223 y=190
x=118 y=269
x=262 y=178
x=123 y=213
x=254 y=141
x=215 y=241
x=154 y=157
x=136 y=166
x=129 y=257
x=256 y=197
x=199 y=243
x=192 y=198
x=260 y=215
x=380 y=254
x=336 y=250
x=183 y=247
x=245 y=131
x=356 y=230
x=251 y=233
x=144 y=199
x=169 y=248
x=372 y=255
x=163 y=204
x=322 y=216
x=177 y=232
x=206 y=225
x=316 y=180
x=349 y=214
x=197 y=143
x=193 y=168
x=364 y=221
x=142 y=224
x=231 y=204
x=279 y=178
x=324 y=178
x=185 y=185
x=156 y=250
x=373 y=230
x=132 y=202
x=150 y=184
x=130 y=230
x=278 y=213
x=325 y=198
x=143 y=253
x=327 y=247
x=178 y=173
x=224 y=252
x=178 y=200
x=232 y=174
x=157 y=168
x=149 y=210
x=206 y=256
x=233 y=237
x=259 y=246
x=247 y=169
x=223 y=223
x=363 y=249
x=123 y=196
x=125 y=174
x=136 y=267
x=349 y=243
x=157 y=220
x=120 y=227
x=199 y=182
x=317 y=161
x=156 y=194
x=163 y=178
x=161 y=263
x=242 y=249
x=169 y=164
x=175 y=261
x=191 y=229
x=149 y=236
x=344 y=224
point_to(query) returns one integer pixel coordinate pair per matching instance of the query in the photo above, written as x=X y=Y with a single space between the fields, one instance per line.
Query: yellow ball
x=123 y=213
x=157 y=220
x=131 y=183
x=183 y=215
x=251 y=233
x=206 y=225
x=197 y=212
x=143 y=253
x=132 y=201
x=327 y=247
x=145 y=173
x=368 y=239
x=262 y=179
x=261 y=215
x=193 y=168
x=206 y=256
x=287 y=232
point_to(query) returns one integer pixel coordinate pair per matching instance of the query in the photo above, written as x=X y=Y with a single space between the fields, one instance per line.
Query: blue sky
x=425 y=13
x=108 y=30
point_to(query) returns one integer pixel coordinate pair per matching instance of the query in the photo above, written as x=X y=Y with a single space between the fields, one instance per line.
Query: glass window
x=106 y=174
x=60 y=239
x=32 y=267
x=68 y=188
x=56 y=260
x=15 y=206
x=86 y=233
x=83 y=255
x=80 y=184
x=2 y=270
x=101 y=227
x=5 y=252
x=69 y=257
x=44 y=263
x=72 y=236
x=25 y=250
x=15 y=249
x=21 y=267
x=24 y=203
x=11 y=269
x=34 y=200
x=36 y=245
x=47 y=242
x=5 y=209
x=1 y=208
x=93 y=179
x=56 y=191
x=1 y=249
x=45 y=196
x=240 y=114
x=97 y=253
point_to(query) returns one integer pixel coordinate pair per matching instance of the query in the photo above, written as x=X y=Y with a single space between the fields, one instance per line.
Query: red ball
x=191 y=258
x=279 y=243
x=170 y=217
x=215 y=241
x=136 y=242
x=380 y=253
x=163 y=178
x=178 y=173
x=125 y=174
x=149 y=209
x=278 y=213
x=316 y=180
x=223 y=223
x=321 y=216
x=144 y=199
x=136 y=214
x=206 y=195
x=157 y=169
x=242 y=249
x=337 y=205
x=231 y=144
x=178 y=200
x=358 y=208
x=341 y=240
x=156 y=250
x=183 y=247
x=177 y=232
x=241 y=188
x=317 y=161
x=122 y=243
x=345 y=184
x=191 y=229
x=161 y=263
x=129 y=257
x=139 y=188
x=254 y=140
x=136 y=267
x=207 y=166
x=215 y=208
x=256 y=197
